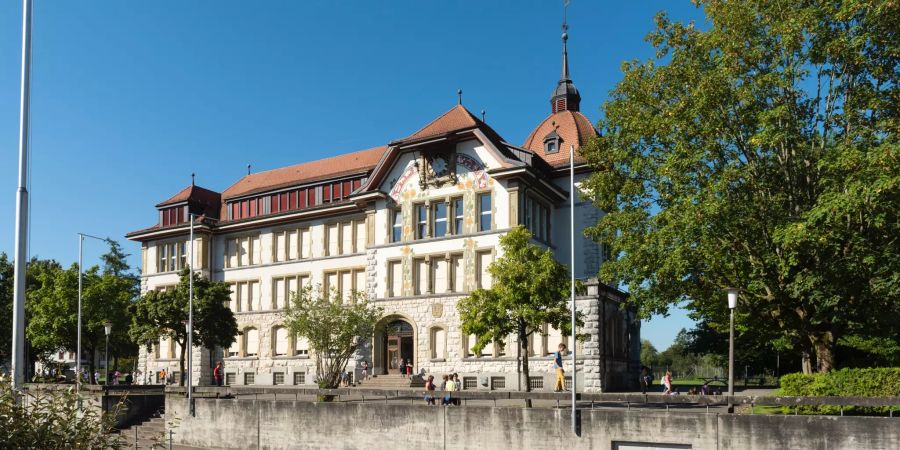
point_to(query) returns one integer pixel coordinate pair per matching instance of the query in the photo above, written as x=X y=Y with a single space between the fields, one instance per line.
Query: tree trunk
x=526 y=373
x=824 y=347
x=806 y=361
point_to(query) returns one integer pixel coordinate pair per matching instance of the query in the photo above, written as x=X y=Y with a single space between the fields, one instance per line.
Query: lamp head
x=732 y=297
x=107 y=327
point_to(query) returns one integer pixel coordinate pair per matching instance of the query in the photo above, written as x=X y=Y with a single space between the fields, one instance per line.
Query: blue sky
x=130 y=98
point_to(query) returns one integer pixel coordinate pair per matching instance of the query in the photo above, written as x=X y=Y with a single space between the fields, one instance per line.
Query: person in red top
x=217 y=374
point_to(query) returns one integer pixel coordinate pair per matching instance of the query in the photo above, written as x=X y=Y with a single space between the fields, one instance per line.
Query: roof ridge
x=442 y=116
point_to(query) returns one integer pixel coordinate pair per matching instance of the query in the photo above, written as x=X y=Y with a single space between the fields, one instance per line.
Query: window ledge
x=289 y=357
x=437 y=360
x=241 y=358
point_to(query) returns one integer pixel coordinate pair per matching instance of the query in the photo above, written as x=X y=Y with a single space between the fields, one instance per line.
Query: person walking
x=365 y=370
x=217 y=374
x=429 y=387
x=667 y=382
x=646 y=379
x=403 y=368
x=558 y=365
x=448 y=392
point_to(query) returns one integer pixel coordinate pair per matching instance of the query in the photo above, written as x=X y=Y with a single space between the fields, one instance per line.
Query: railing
x=585 y=400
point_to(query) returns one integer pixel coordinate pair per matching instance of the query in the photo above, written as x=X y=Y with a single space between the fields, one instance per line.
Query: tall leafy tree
x=164 y=314
x=529 y=289
x=761 y=153
x=6 y=303
x=107 y=294
x=335 y=328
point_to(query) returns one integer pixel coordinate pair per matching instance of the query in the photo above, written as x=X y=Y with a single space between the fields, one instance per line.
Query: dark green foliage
x=335 y=328
x=529 y=289
x=158 y=314
x=51 y=420
x=871 y=382
x=760 y=151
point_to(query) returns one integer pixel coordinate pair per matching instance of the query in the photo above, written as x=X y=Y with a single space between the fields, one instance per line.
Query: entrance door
x=398 y=345
x=393 y=353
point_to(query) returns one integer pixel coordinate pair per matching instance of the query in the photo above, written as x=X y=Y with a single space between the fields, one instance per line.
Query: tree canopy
x=107 y=295
x=529 y=290
x=335 y=328
x=164 y=314
x=760 y=153
x=6 y=304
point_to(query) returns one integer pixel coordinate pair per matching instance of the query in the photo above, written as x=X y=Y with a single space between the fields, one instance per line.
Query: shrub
x=874 y=382
x=51 y=420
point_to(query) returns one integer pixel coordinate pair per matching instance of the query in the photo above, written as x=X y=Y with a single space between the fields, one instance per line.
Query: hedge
x=875 y=382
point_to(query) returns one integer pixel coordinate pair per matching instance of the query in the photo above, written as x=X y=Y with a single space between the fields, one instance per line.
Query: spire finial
x=565 y=37
x=192 y=178
x=459 y=96
x=482 y=115
x=248 y=169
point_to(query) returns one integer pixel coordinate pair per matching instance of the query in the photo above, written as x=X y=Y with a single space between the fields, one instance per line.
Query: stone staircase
x=149 y=434
x=392 y=381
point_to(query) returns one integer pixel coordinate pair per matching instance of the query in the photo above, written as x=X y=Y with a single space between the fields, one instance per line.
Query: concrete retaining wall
x=270 y=424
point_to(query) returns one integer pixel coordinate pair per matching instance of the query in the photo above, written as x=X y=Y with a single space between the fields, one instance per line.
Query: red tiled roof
x=571 y=126
x=336 y=166
x=458 y=118
x=192 y=192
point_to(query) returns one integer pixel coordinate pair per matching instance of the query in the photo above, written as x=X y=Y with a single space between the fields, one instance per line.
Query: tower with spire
x=565 y=97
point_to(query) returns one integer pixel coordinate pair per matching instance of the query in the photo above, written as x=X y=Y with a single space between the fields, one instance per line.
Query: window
x=439 y=269
x=551 y=147
x=251 y=342
x=397 y=226
x=458 y=211
x=249 y=378
x=498 y=382
x=278 y=378
x=235 y=349
x=242 y=251
x=457 y=272
x=230 y=378
x=345 y=282
x=536 y=383
x=471 y=340
x=421 y=221
x=470 y=383
x=299 y=378
x=420 y=267
x=439 y=216
x=484 y=260
x=301 y=346
x=395 y=275
x=438 y=343
x=172 y=256
x=484 y=212
x=332 y=242
x=305 y=243
x=537 y=219
x=245 y=296
x=284 y=288
x=288 y=245
x=345 y=238
x=280 y=341
x=553 y=338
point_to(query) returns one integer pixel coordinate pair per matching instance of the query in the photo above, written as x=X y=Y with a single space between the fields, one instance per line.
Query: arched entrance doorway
x=395 y=341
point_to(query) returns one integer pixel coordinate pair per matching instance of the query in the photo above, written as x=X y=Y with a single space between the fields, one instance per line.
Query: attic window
x=551 y=146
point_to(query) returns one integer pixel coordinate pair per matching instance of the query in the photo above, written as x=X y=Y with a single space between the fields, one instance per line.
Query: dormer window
x=551 y=143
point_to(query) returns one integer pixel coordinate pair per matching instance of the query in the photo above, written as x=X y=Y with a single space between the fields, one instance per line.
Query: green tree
x=760 y=153
x=530 y=289
x=335 y=328
x=6 y=303
x=164 y=313
x=649 y=354
x=107 y=295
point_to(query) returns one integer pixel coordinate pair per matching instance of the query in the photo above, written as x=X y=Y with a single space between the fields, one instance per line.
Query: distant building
x=415 y=224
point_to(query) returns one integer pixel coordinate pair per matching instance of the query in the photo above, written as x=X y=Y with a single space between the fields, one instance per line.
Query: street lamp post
x=190 y=321
x=81 y=237
x=732 y=303
x=107 y=327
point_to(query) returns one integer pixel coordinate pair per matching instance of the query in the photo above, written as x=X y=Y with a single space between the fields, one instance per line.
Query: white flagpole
x=572 y=268
x=21 y=247
x=190 y=340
